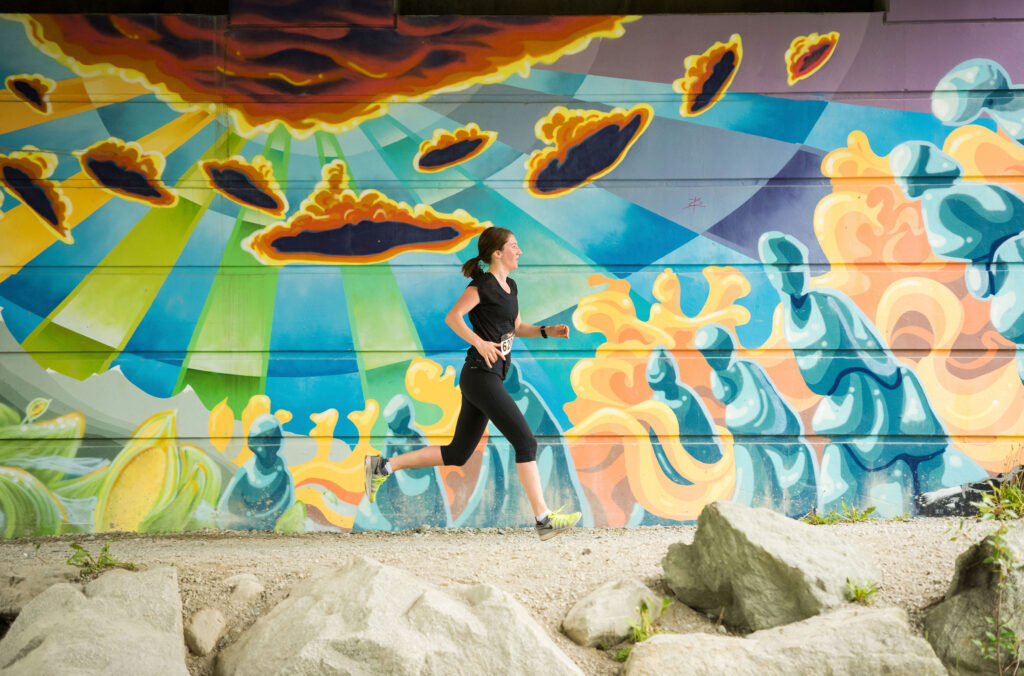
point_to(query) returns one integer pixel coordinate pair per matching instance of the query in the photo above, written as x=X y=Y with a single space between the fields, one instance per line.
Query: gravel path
x=916 y=558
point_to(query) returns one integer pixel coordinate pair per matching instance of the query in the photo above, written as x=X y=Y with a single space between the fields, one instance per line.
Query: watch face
x=506 y=343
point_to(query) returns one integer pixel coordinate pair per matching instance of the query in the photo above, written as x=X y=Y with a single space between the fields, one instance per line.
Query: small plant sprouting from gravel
x=1006 y=500
x=848 y=514
x=861 y=593
x=642 y=630
x=87 y=565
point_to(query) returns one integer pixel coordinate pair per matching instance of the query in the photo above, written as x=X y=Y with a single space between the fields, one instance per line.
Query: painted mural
x=791 y=248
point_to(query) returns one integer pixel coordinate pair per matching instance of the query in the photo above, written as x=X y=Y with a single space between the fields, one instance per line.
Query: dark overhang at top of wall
x=471 y=7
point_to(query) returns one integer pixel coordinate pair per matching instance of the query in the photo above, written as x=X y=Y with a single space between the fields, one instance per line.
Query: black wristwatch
x=543 y=332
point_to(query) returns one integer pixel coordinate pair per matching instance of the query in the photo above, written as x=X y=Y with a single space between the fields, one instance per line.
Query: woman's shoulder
x=481 y=280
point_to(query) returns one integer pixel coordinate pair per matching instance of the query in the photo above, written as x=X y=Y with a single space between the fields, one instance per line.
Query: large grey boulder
x=120 y=623
x=19 y=585
x=761 y=569
x=368 y=618
x=603 y=616
x=851 y=640
x=953 y=624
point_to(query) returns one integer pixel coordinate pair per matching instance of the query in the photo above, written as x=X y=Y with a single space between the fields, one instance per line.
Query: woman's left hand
x=558 y=331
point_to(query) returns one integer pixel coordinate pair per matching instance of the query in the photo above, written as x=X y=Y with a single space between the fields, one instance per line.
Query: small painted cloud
x=126 y=170
x=449 y=148
x=251 y=184
x=708 y=76
x=32 y=89
x=336 y=226
x=808 y=53
x=584 y=145
x=24 y=173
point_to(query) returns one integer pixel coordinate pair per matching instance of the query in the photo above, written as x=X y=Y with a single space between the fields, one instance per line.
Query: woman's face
x=509 y=254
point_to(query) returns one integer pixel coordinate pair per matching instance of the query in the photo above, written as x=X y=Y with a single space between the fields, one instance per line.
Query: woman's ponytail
x=471 y=268
x=491 y=240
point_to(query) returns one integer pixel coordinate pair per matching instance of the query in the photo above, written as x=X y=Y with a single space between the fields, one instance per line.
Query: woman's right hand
x=491 y=352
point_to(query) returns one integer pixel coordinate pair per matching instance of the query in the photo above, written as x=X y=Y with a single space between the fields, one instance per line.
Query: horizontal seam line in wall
x=576 y=438
x=452 y=268
x=534 y=349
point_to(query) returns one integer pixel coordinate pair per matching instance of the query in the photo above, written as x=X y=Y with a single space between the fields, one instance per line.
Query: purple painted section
x=953 y=10
x=876 y=63
x=786 y=203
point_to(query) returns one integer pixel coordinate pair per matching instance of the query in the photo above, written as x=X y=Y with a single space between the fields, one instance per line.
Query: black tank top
x=494 y=320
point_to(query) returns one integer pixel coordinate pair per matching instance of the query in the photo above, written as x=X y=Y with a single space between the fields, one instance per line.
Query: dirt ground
x=916 y=558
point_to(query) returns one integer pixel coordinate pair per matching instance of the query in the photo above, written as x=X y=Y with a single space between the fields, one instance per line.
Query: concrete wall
x=787 y=245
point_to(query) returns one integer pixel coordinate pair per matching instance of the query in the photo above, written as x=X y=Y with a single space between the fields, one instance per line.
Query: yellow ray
x=25 y=235
x=69 y=97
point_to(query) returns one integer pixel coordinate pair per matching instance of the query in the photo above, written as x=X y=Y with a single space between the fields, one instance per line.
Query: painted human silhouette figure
x=761 y=422
x=699 y=437
x=973 y=221
x=887 y=444
x=262 y=489
x=415 y=497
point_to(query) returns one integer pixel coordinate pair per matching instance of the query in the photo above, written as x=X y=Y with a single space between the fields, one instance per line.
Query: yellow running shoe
x=556 y=522
x=373 y=475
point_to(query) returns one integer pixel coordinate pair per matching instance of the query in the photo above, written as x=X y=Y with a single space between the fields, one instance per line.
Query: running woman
x=491 y=302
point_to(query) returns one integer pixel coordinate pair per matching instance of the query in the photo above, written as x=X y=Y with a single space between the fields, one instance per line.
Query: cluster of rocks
x=780 y=590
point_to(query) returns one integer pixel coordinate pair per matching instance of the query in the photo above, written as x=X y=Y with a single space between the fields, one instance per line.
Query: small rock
x=244 y=587
x=204 y=630
x=604 y=615
x=586 y=550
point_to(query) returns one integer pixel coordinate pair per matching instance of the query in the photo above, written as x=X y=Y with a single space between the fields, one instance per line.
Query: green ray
x=383 y=333
x=96 y=320
x=227 y=356
x=429 y=188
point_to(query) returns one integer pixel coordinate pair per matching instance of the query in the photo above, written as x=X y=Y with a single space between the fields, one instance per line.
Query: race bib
x=506 y=343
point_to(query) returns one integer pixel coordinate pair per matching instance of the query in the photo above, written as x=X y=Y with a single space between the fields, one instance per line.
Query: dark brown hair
x=490 y=240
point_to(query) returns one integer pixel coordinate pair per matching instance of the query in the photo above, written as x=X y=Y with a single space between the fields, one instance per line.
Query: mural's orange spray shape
x=613 y=414
x=876 y=241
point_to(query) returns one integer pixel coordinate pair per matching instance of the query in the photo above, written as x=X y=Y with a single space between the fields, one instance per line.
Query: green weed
x=849 y=513
x=622 y=654
x=643 y=629
x=1005 y=502
x=84 y=561
x=861 y=593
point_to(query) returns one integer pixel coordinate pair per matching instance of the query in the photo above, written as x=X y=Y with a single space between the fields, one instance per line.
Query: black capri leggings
x=484 y=398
